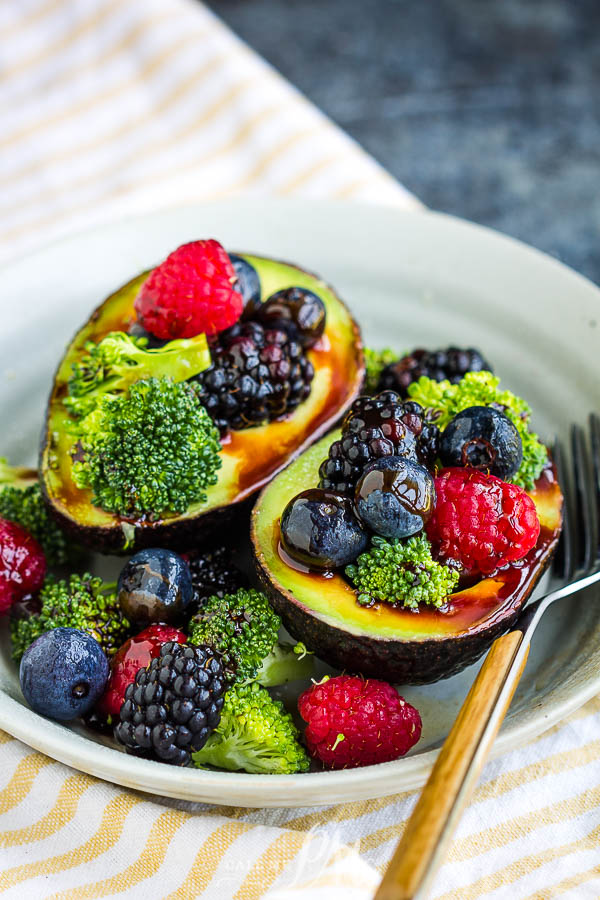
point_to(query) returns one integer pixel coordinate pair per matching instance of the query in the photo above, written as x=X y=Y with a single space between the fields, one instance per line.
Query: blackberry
x=258 y=374
x=174 y=704
x=375 y=427
x=451 y=364
x=213 y=574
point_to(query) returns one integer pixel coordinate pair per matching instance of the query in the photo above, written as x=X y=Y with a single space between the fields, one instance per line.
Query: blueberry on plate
x=63 y=673
x=483 y=438
x=395 y=497
x=248 y=282
x=299 y=307
x=320 y=530
x=155 y=586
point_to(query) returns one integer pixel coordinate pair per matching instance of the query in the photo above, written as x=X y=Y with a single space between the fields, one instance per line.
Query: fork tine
x=564 y=559
x=595 y=440
x=585 y=501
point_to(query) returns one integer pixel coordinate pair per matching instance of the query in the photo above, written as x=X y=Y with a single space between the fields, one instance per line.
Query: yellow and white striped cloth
x=112 y=107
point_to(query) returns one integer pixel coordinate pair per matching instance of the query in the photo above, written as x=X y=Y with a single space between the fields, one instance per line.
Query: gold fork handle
x=455 y=773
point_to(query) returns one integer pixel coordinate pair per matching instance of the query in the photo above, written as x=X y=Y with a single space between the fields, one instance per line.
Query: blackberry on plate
x=213 y=573
x=450 y=364
x=174 y=704
x=257 y=375
x=375 y=427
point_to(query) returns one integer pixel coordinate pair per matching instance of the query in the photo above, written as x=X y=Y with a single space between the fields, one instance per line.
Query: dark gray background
x=488 y=109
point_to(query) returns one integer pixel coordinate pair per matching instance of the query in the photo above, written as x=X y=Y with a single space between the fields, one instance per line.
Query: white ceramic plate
x=411 y=279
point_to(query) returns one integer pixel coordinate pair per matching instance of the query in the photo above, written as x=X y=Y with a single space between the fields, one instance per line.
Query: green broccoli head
x=375 y=362
x=21 y=501
x=244 y=628
x=151 y=451
x=120 y=359
x=401 y=573
x=481 y=389
x=255 y=735
x=80 y=601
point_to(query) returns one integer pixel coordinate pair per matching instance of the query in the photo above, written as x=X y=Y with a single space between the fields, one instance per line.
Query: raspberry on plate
x=22 y=564
x=480 y=521
x=192 y=291
x=356 y=722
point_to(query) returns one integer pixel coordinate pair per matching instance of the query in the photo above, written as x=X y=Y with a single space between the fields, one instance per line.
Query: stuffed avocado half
x=248 y=457
x=402 y=645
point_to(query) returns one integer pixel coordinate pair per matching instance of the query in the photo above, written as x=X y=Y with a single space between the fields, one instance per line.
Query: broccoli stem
x=235 y=754
x=286 y=662
x=256 y=735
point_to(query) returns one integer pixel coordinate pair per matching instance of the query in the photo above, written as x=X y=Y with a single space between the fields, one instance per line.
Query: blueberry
x=155 y=586
x=395 y=497
x=320 y=530
x=248 y=283
x=483 y=438
x=298 y=307
x=63 y=673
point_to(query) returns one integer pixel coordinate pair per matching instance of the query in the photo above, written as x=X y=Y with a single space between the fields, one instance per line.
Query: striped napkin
x=112 y=107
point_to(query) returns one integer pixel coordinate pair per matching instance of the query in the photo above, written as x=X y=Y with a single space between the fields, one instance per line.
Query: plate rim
x=225 y=788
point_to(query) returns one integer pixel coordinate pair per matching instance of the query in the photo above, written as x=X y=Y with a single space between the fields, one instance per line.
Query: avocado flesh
x=249 y=458
x=394 y=644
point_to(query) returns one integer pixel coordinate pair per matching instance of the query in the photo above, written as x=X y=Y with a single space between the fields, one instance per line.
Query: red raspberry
x=22 y=564
x=481 y=521
x=353 y=722
x=135 y=654
x=191 y=292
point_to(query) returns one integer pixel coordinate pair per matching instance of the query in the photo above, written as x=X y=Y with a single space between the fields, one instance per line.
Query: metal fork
x=457 y=768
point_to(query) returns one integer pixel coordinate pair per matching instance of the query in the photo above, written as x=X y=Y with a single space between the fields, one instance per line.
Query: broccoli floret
x=112 y=365
x=84 y=602
x=255 y=734
x=481 y=389
x=244 y=628
x=21 y=501
x=151 y=451
x=375 y=362
x=401 y=573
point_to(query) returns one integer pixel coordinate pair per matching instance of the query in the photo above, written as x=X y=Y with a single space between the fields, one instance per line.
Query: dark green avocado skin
x=401 y=661
x=181 y=535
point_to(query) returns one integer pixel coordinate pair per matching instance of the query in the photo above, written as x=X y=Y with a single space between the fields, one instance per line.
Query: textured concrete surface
x=490 y=111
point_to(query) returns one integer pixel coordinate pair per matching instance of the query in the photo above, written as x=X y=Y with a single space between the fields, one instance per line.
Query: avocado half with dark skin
x=397 y=645
x=250 y=458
